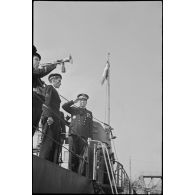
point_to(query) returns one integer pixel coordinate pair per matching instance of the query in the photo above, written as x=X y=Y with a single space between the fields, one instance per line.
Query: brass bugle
x=62 y=61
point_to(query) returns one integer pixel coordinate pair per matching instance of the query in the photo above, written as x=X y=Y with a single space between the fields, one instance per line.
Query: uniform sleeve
x=68 y=107
x=47 y=112
x=91 y=126
x=39 y=73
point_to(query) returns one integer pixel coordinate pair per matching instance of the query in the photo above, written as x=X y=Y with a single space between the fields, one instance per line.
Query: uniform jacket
x=52 y=101
x=39 y=73
x=81 y=120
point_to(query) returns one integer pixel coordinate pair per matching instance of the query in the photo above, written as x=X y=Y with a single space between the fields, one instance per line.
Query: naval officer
x=80 y=128
x=38 y=87
x=50 y=119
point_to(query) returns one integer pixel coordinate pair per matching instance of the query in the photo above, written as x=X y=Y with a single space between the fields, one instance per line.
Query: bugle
x=60 y=62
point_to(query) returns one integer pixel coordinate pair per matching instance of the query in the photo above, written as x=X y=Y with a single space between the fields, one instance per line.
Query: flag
x=105 y=73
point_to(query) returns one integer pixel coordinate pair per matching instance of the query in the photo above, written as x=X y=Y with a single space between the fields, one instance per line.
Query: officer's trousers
x=77 y=146
x=50 y=145
x=37 y=110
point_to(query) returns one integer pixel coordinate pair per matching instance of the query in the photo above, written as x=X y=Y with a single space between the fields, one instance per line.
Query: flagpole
x=108 y=83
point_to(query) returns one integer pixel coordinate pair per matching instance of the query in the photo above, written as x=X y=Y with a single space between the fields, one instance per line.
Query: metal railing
x=109 y=167
x=122 y=179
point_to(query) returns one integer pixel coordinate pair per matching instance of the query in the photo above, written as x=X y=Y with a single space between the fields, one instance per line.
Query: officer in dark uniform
x=80 y=128
x=38 y=87
x=50 y=119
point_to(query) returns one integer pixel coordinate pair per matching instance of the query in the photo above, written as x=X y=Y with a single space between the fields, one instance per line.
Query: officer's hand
x=63 y=136
x=50 y=121
x=75 y=101
x=40 y=124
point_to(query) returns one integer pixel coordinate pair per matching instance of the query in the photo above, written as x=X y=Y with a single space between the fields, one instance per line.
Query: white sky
x=132 y=33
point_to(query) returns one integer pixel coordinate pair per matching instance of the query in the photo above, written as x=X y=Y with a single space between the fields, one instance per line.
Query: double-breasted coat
x=81 y=120
x=49 y=148
x=79 y=130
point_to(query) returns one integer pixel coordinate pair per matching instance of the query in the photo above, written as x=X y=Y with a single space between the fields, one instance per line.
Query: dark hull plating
x=50 y=178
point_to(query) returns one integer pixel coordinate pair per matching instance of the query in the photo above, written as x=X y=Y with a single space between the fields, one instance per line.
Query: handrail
x=122 y=168
x=108 y=164
x=111 y=169
x=108 y=171
x=122 y=176
x=60 y=144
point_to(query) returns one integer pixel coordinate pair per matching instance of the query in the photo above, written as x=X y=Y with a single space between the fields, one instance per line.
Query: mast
x=108 y=84
x=108 y=96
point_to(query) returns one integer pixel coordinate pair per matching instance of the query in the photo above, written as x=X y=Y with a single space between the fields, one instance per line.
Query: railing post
x=118 y=184
x=94 y=161
x=87 y=164
x=121 y=175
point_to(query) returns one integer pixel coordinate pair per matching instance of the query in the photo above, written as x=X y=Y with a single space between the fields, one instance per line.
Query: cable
x=72 y=129
x=59 y=117
x=59 y=143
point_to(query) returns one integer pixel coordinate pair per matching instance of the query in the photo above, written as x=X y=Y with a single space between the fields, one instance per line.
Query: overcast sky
x=132 y=33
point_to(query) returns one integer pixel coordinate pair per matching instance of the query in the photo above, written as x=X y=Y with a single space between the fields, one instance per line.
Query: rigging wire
x=58 y=143
x=101 y=121
x=77 y=107
x=60 y=118
x=73 y=130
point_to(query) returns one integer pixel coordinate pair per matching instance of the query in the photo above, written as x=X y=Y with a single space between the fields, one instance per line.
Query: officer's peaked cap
x=34 y=49
x=54 y=75
x=83 y=96
x=38 y=55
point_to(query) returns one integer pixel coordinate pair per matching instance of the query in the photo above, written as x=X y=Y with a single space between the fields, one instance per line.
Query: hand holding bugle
x=60 y=62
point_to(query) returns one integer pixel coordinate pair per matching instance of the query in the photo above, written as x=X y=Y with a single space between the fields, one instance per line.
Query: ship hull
x=51 y=178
